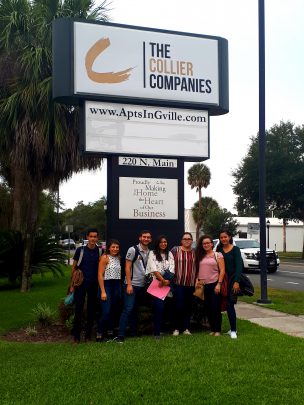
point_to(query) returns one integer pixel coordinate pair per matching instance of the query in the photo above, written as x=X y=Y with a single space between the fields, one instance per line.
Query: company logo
x=103 y=77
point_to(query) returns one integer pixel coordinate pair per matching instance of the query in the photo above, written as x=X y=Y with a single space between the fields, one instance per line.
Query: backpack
x=137 y=253
x=81 y=255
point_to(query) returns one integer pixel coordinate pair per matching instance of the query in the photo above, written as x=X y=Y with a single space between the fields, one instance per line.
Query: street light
x=268 y=226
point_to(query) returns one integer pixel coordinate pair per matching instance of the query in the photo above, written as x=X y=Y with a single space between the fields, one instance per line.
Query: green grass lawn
x=290 y=302
x=16 y=307
x=289 y=255
x=262 y=366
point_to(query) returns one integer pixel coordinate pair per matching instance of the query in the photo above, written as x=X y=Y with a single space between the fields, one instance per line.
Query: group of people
x=182 y=269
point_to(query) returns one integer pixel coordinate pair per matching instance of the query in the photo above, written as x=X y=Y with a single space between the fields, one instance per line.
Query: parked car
x=250 y=251
x=67 y=244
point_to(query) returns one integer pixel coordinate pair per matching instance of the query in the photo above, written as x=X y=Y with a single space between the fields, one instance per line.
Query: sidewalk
x=289 y=324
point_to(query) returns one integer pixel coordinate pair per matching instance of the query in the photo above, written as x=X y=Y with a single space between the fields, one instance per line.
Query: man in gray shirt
x=136 y=261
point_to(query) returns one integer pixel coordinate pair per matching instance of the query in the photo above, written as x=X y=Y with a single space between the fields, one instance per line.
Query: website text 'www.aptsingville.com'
x=143 y=114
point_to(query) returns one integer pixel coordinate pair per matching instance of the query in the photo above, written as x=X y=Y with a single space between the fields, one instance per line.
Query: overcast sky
x=237 y=21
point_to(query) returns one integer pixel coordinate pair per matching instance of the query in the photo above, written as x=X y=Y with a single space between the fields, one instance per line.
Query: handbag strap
x=216 y=259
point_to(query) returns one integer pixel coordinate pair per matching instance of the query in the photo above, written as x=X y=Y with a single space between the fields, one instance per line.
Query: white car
x=67 y=244
x=250 y=251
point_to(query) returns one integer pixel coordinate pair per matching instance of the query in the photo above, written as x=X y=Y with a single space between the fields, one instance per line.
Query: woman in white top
x=109 y=276
x=161 y=265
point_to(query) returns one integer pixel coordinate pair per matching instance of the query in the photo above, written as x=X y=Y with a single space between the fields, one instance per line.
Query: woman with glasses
x=210 y=270
x=161 y=265
x=183 y=284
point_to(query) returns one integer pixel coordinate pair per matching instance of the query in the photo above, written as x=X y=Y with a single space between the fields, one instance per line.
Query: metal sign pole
x=262 y=146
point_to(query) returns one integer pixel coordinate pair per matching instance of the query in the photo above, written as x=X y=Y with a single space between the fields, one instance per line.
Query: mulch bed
x=45 y=334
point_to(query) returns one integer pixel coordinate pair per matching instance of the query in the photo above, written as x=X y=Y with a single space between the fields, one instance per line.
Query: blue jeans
x=231 y=315
x=130 y=311
x=183 y=299
x=158 y=310
x=113 y=290
x=213 y=307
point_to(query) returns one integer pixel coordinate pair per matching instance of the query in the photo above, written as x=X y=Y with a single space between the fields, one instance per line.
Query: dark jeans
x=158 y=310
x=183 y=299
x=89 y=290
x=231 y=315
x=130 y=311
x=213 y=307
x=109 y=306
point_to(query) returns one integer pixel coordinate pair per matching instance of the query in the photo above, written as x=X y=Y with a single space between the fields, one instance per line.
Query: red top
x=184 y=267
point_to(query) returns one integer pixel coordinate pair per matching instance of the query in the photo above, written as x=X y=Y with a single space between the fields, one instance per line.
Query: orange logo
x=106 y=77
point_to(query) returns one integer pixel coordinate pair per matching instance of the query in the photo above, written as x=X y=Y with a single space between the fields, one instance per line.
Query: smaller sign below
x=147 y=162
x=148 y=198
x=253 y=228
x=124 y=129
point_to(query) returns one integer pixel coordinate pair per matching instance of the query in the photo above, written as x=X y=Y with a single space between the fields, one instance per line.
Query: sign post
x=145 y=98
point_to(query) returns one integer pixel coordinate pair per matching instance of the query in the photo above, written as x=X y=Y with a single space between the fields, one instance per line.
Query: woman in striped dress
x=184 y=282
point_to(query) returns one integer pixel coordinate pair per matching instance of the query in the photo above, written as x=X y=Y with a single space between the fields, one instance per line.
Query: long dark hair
x=227 y=232
x=200 y=252
x=157 y=251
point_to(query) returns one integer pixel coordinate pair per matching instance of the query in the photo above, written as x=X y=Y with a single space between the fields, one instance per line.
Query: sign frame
x=63 y=70
x=205 y=139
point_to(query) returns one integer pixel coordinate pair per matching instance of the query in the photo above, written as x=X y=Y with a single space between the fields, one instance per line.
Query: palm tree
x=38 y=138
x=199 y=177
x=208 y=204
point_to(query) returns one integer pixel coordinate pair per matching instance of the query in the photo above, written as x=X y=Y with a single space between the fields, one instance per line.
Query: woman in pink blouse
x=210 y=271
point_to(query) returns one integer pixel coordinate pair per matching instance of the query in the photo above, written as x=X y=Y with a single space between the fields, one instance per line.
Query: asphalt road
x=289 y=276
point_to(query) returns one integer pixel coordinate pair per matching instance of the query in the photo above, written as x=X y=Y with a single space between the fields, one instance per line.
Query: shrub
x=69 y=323
x=31 y=330
x=46 y=255
x=65 y=312
x=43 y=314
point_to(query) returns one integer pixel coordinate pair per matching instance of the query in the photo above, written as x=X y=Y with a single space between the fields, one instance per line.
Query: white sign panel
x=144 y=130
x=253 y=228
x=148 y=198
x=118 y=61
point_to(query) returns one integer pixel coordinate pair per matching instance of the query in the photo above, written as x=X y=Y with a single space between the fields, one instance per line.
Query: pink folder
x=157 y=291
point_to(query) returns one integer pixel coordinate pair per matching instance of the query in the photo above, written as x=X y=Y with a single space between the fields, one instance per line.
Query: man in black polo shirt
x=89 y=267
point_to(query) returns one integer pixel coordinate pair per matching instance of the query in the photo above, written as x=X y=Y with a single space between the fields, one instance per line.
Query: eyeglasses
x=186 y=239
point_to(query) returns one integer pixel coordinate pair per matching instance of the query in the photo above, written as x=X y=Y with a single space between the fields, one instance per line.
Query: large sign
x=115 y=62
x=141 y=130
x=148 y=198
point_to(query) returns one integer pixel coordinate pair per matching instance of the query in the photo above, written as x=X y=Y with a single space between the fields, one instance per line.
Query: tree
x=38 y=138
x=207 y=205
x=218 y=219
x=199 y=177
x=84 y=216
x=284 y=174
x=5 y=208
x=47 y=221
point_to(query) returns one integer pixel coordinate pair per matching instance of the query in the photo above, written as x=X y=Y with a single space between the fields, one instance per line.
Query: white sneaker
x=233 y=335
x=176 y=332
x=187 y=332
x=228 y=333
